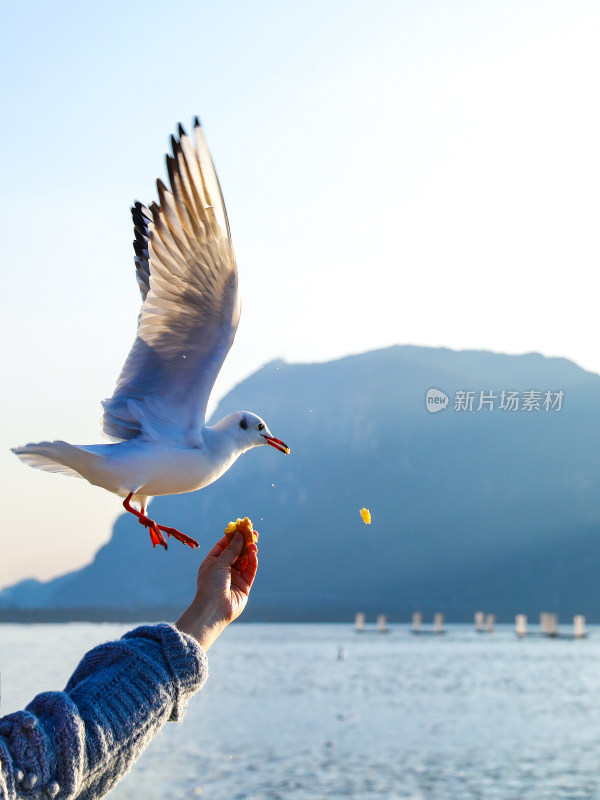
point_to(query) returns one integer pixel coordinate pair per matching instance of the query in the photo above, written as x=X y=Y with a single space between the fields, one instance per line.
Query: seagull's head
x=253 y=431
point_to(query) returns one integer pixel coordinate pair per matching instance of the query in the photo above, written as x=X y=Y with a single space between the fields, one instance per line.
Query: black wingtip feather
x=139 y=209
x=181 y=131
x=170 y=161
x=197 y=123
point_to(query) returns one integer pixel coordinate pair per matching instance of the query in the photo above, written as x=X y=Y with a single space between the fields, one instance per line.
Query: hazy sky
x=395 y=172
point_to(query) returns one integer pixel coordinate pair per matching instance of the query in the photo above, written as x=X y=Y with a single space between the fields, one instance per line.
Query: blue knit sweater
x=80 y=742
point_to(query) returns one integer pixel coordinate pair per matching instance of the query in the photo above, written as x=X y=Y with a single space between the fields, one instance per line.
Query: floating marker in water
x=521 y=623
x=366 y=515
x=579 y=626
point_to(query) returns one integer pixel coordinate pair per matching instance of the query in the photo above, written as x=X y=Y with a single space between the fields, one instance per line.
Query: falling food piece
x=366 y=516
x=244 y=526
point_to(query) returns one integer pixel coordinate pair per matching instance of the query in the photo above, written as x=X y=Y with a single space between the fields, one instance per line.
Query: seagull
x=187 y=275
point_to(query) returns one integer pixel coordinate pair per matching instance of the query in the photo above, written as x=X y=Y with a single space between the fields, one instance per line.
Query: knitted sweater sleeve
x=80 y=742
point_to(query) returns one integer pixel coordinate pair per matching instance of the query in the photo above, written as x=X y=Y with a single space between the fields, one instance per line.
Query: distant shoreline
x=153 y=614
x=41 y=615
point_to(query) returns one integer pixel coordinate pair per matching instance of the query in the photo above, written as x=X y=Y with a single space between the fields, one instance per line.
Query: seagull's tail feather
x=67 y=459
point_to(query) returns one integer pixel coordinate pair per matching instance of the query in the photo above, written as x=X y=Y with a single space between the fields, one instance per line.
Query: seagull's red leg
x=178 y=535
x=154 y=529
x=155 y=535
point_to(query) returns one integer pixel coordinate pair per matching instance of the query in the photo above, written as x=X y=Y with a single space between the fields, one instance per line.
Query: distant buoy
x=366 y=515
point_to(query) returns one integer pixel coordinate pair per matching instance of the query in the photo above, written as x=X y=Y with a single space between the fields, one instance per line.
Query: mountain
x=495 y=509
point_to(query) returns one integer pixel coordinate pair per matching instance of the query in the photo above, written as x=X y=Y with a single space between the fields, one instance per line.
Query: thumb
x=233 y=549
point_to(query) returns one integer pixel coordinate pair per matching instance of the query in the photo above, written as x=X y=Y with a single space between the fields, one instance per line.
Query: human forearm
x=84 y=739
x=203 y=624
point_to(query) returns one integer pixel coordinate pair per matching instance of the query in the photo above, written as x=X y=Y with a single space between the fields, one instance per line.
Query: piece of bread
x=244 y=526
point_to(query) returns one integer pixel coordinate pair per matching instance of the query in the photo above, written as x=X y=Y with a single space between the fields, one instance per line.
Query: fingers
x=233 y=549
x=250 y=572
x=218 y=548
x=243 y=580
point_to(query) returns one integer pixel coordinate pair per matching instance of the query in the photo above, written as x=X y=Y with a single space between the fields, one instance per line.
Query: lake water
x=463 y=715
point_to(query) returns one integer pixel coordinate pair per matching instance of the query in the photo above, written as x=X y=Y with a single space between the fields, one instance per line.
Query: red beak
x=277 y=444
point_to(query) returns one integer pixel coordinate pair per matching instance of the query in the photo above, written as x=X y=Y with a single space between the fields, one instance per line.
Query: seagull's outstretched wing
x=186 y=271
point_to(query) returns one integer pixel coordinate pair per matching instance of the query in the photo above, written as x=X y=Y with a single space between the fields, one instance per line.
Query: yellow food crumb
x=366 y=515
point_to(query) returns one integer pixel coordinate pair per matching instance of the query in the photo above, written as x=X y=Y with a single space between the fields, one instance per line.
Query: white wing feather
x=190 y=312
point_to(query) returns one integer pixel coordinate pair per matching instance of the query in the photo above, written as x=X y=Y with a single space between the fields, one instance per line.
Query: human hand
x=222 y=591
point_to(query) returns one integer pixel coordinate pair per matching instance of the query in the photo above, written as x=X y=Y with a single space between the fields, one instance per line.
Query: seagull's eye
x=260 y=426
x=243 y=423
